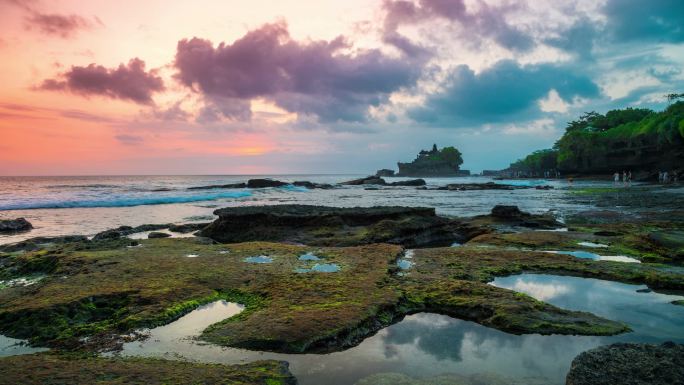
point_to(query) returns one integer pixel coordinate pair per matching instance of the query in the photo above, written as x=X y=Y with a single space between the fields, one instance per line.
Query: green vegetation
x=103 y=292
x=49 y=368
x=628 y=138
x=537 y=162
x=434 y=162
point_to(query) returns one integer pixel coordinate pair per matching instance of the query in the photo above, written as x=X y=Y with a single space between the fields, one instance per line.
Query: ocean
x=85 y=205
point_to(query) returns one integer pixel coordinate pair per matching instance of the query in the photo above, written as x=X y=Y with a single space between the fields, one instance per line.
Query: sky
x=100 y=87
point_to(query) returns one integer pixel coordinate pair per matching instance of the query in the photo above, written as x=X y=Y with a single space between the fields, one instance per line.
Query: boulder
x=262 y=183
x=412 y=182
x=384 y=173
x=366 y=180
x=219 y=186
x=157 y=234
x=15 y=225
x=312 y=185
x=506 y=212
x=629 y=364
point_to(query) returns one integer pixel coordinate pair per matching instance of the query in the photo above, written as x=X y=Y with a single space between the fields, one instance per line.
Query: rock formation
x=629 y=364
x=444 y=162
x=335 y=226
x=14 y=225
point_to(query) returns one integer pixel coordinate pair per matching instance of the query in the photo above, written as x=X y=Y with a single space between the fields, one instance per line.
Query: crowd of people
x=626 y=178
x=664 y=177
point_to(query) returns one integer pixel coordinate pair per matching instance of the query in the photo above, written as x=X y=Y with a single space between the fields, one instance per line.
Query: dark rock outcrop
x=384 y=173
x=511 y=216
x=481 y=186
x=506 y=212
x=367 y=180
x=123 y=231
x=629 y=364
x=412 y=182
x=262 y=183
x=312 y=185
x=374 y=180
x=39 y=242
x=220 y=186
x=157 y=234
x=188 y=227
x=335 y=226
x=672 y=241
x=14 y=225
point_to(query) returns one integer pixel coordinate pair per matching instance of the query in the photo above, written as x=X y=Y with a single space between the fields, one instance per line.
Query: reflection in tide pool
x=427 y=345
x=651 y=315
x=259 y=259
x=309 y=257
x=596 y=257
x=13 y=347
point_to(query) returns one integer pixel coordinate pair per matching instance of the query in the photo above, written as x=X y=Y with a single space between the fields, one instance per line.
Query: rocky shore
x=629 y=364
x=91 y=293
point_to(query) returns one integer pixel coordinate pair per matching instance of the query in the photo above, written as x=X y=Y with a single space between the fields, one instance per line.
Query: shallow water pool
x=596 y=257
x=426 y=345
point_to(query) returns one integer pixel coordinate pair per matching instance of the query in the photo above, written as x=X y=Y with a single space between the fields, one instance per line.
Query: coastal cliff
x=636 y=139
x=444 y=162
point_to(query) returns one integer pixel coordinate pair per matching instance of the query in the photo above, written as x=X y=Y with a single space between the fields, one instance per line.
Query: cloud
x=310 y=78
x=500 y=93
x=64 y=26
x=656 y=21
x=542 y=127
x=578 y=39
x=486 y=21
x=129 y=140
x=126 y=82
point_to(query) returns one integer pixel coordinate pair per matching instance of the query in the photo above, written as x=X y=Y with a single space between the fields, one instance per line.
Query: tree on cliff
x=633 y=138
x=452 y=156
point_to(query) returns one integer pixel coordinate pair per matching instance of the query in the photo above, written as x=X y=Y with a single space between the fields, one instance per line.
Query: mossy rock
x=47 y=368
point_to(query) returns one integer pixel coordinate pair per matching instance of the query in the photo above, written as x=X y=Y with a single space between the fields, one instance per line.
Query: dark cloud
x=82 y=115
x=127 y=82
x=636 y=20
x=173 y=113
x=503 y=92
x=64 y=26
x=578 y=39
x=486 y=22
x=129 y=140
x=311 y=78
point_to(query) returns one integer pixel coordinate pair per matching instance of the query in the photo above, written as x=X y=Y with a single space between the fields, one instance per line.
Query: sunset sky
x=299 y=86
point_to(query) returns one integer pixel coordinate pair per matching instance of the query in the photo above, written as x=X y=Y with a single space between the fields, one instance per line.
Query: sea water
x=90 y=204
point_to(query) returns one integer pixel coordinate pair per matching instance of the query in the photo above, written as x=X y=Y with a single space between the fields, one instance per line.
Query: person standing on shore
x=624 y=178
x=616 y=178
x=629 y=178
x=666 y=178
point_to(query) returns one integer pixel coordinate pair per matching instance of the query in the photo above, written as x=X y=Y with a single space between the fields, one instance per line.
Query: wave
x=96 y=185
x=122 y=201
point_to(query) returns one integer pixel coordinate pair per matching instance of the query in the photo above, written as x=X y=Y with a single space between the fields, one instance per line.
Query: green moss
x=107 y=292
x=85 y=369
